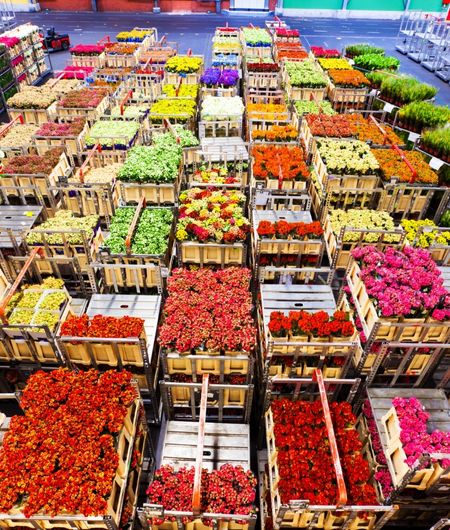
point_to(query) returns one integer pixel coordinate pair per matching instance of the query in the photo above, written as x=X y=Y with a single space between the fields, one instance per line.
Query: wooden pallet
x=192 y=252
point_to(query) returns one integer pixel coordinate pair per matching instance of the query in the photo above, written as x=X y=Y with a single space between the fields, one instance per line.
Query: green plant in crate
x=118 y=229
x=312 y=107
x=152 y=233
x=353 y=50
x=29 y=299
x=445 y=219
x=437 y=143
x=375 y=61
x=421 y=114
x=405 y=89
x=376 y=78
x=305 y=74
x=6 y=79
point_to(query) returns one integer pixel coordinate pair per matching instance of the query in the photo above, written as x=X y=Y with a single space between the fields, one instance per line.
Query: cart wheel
x=65 y=45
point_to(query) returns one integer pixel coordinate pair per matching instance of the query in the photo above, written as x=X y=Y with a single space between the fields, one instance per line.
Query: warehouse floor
x=195 y=31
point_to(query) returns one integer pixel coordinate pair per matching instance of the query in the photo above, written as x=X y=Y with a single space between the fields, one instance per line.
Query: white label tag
x=436 y=163
x=262 y=198
x=412 y=137
x=388 y=107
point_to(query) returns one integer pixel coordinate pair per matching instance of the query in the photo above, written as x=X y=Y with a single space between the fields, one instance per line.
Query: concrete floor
x=195 y=31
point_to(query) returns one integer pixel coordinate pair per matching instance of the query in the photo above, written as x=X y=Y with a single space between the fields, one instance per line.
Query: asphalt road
x=195 y=32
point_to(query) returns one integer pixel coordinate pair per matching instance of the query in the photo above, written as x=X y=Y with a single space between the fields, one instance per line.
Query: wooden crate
x=406 y=200
x=35 y=116
x=341 y=182
x=132 y=193
x=90 y=114
x=121 y=61
x=339 y=250
x=90 y=199
x=390 y=329
x=263 y=80
x=295 y=93
x=42 y=182
x=225 y=92
x=92 y=61
x=192 y=252
x=303 y=516
x=355 y=96
x=73 y=144
x=171 y=78
x=177 y=363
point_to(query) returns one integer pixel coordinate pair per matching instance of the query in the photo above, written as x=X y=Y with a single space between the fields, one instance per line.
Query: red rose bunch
x=304 y=458
x=228 y=490
x=263 y=67
x=60 y=457
x=317 y=324
x=207 y=309
x=282 y=229
x=102 y=326
x=284 y=32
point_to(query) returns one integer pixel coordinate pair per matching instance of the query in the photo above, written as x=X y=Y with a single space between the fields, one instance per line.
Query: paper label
x=412 y=137
x=436 y=163
x=388 y=107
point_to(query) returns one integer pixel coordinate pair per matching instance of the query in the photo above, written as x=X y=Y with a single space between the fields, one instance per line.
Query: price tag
x=436 y=163
x=373 y=92
x=351 y=61
x=262 y=198
x=388 y=107
x=412 y=137
x=2 y=154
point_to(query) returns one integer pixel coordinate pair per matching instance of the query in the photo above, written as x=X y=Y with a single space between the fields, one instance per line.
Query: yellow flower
x=181 y=235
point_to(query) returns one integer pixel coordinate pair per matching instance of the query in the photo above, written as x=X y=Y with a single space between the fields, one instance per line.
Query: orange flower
x=266 y=111
x=277 y=133
x=274 y=162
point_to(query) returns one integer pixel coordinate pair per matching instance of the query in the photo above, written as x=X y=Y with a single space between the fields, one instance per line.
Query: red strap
x=401 y=154
x=342 y=501
x=197 y=493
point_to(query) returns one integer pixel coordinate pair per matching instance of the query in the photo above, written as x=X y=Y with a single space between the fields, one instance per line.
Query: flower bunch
x=335 y=126
x=85 y=98
x=335 y=64
x=9 y=42
x=258 y=37
x=71 y=128
x=102 y=326
x=229 y=44
x=344 y=157
x=392 y=165
x=314 y=107
x=376 y=61
x=305 y=74
x=219 y=108
x=179 y=108
x=403 y=283
x=225 y=60
x=32 y=98
x=284 y=230
x=63 y=221
x=414 y=435
x=134 y=35
x=183 y=64
x=18 y=135
x=229 y=489
x=76 y=72
x=208 y=215
x=288 y=52
x=266 y=111
x=87 y=49
x=253 y=66
x=367 y=131
x=365 y=220
x=33 y=164
x=208 y=310
x=120 y=48
x=427 y=237
x=110 y=133
x=216 y=76
x=60 y=456
x=276 y=133
x=303 y=450
x=318 y=324
x=279 y=162
x=214 y=175
x=180 y=91
x=348 y=78
x=284 y=32
x=318 y=51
